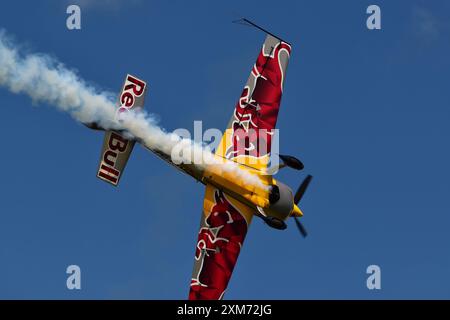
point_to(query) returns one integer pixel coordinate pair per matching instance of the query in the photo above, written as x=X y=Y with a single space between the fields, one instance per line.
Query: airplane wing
x=223 y=227
x=247 y=139
x=117 y=149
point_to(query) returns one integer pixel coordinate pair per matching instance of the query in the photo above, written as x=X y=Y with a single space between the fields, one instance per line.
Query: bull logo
x=218 y=246
x=256 y=112
x=245 y=138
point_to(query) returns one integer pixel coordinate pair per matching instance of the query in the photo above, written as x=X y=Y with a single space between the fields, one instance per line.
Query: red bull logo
x=115 y=144
x=256 y=112
x=218 y=246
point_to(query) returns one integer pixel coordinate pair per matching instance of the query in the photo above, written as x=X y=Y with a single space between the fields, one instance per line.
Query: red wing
x=222 y=232
x=255 y=116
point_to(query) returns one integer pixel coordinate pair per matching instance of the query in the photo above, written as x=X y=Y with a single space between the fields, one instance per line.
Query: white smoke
x=44 y=79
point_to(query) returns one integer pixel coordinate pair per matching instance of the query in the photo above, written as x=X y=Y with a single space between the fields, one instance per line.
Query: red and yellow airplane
x=230 y=202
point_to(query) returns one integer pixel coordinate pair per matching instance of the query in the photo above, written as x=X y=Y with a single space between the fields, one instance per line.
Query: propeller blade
x=301 y=190
x=291 y=162
x=300 y=227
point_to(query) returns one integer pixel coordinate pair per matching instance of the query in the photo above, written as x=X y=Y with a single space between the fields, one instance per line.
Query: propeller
x=300 y=227
x=298 y=196
x=301 y=190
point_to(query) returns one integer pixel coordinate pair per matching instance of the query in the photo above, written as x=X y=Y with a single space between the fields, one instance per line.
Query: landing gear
x=275 y=223
x=271 y=221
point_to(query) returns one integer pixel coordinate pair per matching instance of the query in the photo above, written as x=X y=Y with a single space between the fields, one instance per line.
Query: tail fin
x=116 y=148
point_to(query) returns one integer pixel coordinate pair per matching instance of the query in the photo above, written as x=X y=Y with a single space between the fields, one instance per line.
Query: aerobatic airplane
x=229 y=203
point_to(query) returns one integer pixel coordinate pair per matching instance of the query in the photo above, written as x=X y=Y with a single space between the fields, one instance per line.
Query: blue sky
x=366 y=111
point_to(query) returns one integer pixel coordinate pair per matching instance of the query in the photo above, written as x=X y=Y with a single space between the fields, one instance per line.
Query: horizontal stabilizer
x=116 y=148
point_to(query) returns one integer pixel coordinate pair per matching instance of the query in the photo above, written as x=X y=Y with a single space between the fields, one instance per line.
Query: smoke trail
x=44 y=79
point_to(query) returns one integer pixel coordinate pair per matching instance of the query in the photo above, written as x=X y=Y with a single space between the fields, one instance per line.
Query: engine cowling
x=281 y=202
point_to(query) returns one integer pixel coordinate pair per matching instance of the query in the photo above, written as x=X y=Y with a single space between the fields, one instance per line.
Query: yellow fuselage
x=252 y=188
